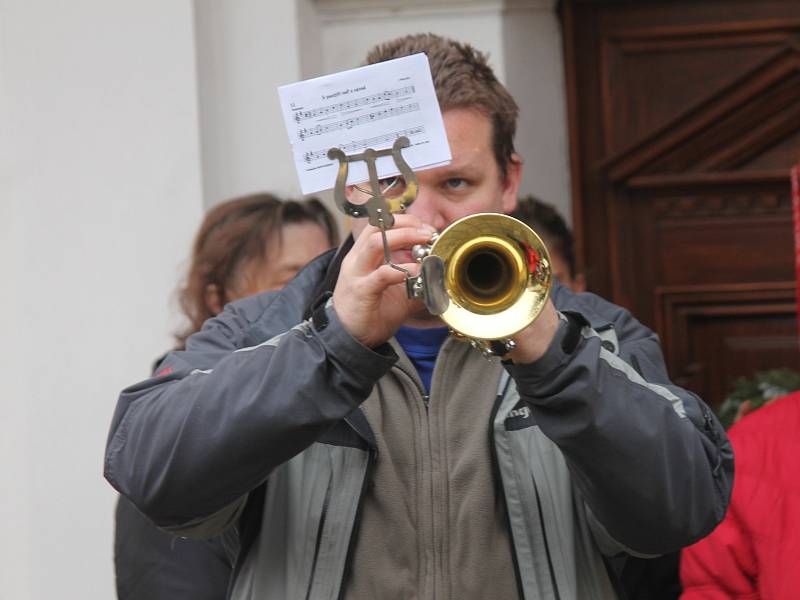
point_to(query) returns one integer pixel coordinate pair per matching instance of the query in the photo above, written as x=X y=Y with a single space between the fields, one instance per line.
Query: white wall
x=99 y=195
x=350 y=29
x=534 y=74
x=245 y=50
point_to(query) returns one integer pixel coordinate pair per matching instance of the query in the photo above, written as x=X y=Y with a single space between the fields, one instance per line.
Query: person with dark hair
x=546 y=221
x=359 y=451
x=244 y=246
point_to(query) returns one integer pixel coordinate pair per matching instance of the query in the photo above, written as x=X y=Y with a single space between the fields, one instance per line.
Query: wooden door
x=684 y=123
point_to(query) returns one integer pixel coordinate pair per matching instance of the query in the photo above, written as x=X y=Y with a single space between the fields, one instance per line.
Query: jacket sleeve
x=651 y=462
x=187 y=445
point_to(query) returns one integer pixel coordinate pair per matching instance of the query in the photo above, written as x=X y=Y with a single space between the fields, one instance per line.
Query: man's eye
x=455 y=183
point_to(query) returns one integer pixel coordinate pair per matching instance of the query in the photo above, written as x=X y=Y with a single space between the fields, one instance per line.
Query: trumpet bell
x=496 y=275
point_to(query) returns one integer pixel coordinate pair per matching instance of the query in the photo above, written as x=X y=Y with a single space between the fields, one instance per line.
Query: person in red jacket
x=755 y=551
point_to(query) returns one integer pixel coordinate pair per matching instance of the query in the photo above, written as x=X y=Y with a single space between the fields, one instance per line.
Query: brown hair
x=545 y=220
x=463 y=79
x=232 y=234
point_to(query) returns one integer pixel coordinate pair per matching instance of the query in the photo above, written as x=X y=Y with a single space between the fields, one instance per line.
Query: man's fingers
x=385 y=276
x=400 y=220
x=368 y=252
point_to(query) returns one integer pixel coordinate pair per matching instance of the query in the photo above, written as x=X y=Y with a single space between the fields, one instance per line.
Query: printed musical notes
x=356 y=121
x=339 y=107
x=379 y=141
x=368 y=107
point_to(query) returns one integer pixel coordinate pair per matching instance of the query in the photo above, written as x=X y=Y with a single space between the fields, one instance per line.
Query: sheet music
x=367 y=107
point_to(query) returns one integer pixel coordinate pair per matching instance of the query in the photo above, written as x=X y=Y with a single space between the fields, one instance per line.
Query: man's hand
x=533 y=341
x=370 y=297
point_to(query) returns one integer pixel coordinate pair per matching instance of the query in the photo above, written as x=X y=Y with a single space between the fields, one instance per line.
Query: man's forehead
x=467 y=123
x=469 y=133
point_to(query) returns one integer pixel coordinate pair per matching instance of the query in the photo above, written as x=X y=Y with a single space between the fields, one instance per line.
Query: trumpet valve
x=420 y=251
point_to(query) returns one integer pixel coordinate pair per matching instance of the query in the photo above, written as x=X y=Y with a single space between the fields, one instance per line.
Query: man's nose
x=427 y=208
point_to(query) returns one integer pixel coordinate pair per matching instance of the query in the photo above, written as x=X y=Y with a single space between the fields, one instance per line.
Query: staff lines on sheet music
x=356 y=121
x=349 y=147
x=355 y=103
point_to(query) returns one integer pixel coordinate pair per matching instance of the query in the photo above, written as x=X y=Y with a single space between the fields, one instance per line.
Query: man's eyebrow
x=460 y=167
x=450 y=171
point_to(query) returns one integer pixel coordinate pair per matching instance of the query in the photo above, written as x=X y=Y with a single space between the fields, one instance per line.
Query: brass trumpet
x=487 y=276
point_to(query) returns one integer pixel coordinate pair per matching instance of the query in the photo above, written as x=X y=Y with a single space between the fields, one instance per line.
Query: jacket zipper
x=414 y=379
x=501 y=489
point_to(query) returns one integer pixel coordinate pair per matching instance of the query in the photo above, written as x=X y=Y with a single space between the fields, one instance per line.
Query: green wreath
x=758 y=390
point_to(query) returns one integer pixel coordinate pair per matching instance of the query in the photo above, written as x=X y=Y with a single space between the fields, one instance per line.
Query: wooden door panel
x=732 y=251
x=646 y=88
x=781 y=153
x=714 y=334
x=684 y=122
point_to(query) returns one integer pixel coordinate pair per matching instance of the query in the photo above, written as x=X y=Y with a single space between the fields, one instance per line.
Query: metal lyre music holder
x=379 y=208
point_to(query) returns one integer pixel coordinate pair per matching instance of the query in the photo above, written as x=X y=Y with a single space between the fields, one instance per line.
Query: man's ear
x=213 y=298
x=511 y=183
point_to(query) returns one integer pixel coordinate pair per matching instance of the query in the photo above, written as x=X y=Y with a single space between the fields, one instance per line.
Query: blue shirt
x=422 y=347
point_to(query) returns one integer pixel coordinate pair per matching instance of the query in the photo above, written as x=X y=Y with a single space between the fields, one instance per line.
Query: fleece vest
x=434 y=523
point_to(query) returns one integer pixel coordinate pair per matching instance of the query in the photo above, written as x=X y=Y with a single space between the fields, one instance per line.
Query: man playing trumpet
x=350 y=448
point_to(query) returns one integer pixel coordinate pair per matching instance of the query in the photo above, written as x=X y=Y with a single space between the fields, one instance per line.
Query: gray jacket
x=255 y=431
